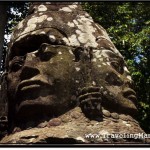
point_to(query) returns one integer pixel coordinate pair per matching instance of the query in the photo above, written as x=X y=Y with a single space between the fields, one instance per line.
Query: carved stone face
x=41 y=83
x=111 y=75
x=106 y=82
x=53 y=62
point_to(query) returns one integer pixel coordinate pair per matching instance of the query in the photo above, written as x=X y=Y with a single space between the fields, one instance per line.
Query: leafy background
x=128 y=25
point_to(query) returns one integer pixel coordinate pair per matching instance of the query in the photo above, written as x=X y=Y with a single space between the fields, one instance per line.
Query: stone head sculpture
x=59 y=59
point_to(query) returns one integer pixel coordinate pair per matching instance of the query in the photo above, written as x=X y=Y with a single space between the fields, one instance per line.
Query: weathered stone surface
x=75 y=115
x=54 y=122
x=76 y=132
x=43 y=124
x=115 y=115
x=124 y=117
x=106 y=113
x=66 y=77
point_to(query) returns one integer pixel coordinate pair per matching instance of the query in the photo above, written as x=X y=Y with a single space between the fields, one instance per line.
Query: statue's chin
x=35 y=109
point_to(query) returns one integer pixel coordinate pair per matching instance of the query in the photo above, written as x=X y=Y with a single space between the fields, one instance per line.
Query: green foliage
x=16 y=11
x=128 y=25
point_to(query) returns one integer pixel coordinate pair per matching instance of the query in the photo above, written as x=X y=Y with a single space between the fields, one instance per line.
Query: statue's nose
x=28 y=72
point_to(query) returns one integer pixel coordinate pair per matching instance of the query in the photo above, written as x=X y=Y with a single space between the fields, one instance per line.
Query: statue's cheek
x=13 y=80
x=113 y=79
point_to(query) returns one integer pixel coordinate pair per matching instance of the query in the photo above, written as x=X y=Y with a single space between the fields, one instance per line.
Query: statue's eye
x=16 y=66
x=46 y=56
x=113 y=79
x=117 y=66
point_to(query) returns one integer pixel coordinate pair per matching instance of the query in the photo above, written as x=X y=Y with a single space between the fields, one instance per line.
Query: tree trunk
x=3 y=21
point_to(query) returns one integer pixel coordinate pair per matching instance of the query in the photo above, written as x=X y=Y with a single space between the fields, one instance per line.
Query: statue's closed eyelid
x=16 y=65
x=46 y=56
x=45 y=53
x=17 y=59
x=45 y=47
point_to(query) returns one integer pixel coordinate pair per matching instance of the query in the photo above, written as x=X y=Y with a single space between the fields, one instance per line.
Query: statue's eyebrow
x=112 y=56
x=110 y=53
x=28 y=44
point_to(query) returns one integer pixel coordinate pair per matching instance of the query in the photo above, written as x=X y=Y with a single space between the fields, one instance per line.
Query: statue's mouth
x=29 y=84
x=31 y=91
x=130 y=94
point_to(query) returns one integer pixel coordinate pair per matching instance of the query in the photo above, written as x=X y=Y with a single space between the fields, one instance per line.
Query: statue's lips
x=130 y=94
x=32 y=84
x=30 y=92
